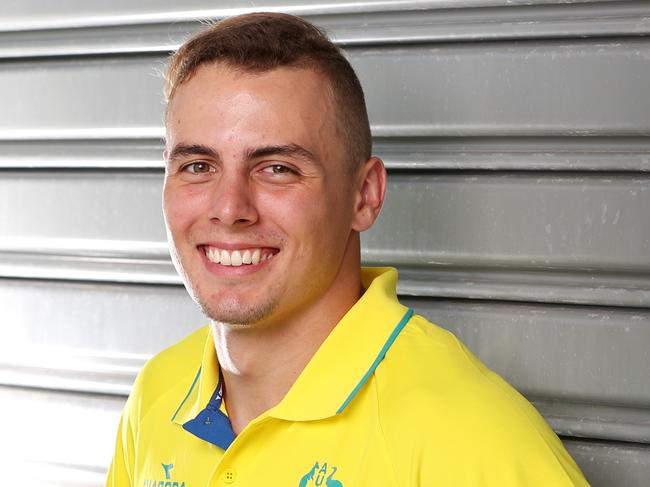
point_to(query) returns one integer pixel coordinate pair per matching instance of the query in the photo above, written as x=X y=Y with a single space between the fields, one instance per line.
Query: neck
x=260 y=364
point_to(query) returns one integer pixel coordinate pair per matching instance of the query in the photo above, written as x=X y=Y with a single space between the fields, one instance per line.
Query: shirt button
x=229 y=475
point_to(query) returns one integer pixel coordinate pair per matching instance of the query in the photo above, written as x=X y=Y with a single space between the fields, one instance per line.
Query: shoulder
x=429 y=364
x=168 y=370
x=429 y=370
x=460 y=417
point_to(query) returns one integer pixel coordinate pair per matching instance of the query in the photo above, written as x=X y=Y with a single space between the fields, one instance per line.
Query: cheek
x=172 y=210
x=297 y=214
x=322 y=224
x=181 y=206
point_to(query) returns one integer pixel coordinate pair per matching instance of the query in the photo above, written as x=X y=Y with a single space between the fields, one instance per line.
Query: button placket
x=229 y=476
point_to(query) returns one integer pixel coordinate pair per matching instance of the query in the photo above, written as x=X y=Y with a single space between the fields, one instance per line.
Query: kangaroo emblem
x=308 y=476
x=330 y=482
x=317 y=475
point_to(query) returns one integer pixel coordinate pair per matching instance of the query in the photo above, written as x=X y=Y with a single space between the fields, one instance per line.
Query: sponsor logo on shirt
x=168 y=482
x=319 y=474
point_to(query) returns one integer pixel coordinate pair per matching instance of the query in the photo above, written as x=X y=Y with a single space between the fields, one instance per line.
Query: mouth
x=247 y=256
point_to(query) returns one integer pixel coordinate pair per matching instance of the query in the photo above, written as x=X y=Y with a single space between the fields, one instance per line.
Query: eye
x=198 y=167
x=279 y=169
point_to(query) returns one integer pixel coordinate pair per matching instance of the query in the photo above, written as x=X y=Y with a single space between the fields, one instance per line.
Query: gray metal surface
x=70 y=437
x=612 y=464
x=518 y=138
x=41 y=14
x=82 y=205
x=108 y=319
x=87 y=337
x=495 y=89
x=411 y=91
x=531 y=221
x=348 y=24
x=59 y=99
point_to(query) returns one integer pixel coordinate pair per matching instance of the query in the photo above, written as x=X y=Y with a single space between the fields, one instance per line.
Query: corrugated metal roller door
x=518 y=142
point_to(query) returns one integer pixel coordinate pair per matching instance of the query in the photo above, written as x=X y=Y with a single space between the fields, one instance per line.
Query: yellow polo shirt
x=389 y=399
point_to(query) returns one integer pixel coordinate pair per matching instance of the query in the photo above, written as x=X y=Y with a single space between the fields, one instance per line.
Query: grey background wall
x=517 y=136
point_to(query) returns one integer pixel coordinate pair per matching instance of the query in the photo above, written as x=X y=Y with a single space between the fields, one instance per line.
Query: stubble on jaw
x=232 y=312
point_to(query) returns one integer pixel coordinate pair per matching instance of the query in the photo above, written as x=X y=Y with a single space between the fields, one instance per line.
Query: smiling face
x=261 y=208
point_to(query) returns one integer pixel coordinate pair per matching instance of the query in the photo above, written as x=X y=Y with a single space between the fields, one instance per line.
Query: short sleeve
x=121 y=473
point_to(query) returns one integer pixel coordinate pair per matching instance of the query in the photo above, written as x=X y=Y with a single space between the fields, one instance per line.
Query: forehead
x=284 y=105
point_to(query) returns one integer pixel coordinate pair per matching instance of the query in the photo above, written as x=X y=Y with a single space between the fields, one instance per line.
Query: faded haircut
x=261 y=42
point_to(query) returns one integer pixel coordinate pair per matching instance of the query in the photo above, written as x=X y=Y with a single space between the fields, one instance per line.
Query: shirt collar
x=341 y=366
x=349 y=355
x=203 y=386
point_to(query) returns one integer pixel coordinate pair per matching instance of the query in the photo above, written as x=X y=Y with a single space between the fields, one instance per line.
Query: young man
x=311 y=371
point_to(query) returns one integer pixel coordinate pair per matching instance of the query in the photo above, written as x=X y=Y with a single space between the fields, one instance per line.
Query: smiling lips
x=238 y=257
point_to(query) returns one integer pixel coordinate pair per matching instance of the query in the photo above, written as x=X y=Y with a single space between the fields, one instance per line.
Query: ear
x=371 y=189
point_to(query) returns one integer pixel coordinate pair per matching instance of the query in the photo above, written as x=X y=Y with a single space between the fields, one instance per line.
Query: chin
x=232 y=311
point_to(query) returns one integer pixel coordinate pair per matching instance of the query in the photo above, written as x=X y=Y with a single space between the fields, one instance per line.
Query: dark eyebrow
x=183 y=150
x=294 y=150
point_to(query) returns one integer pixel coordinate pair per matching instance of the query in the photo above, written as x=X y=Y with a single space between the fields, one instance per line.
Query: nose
x=233 y=202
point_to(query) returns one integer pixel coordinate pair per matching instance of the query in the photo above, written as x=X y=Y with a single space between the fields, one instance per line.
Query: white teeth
x=214 y=255
x=236 y=257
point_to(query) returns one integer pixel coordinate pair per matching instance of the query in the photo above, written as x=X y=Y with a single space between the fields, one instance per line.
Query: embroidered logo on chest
x=320 y=473
x=168 y=482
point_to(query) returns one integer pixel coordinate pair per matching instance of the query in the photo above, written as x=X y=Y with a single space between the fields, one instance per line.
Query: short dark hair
x=260 y=42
